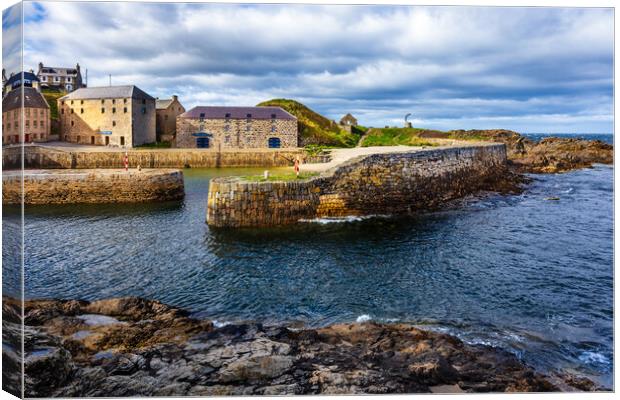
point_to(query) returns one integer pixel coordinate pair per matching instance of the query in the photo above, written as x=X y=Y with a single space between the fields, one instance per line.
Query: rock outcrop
x=131 y=346
x=550 y=155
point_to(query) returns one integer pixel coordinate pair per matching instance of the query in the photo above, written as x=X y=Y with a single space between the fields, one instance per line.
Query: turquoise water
x=519 y=272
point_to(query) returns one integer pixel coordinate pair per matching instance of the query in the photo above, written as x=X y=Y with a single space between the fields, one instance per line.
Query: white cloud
x=470 y=63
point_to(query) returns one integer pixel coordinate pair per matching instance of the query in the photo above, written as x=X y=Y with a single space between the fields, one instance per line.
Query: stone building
x=167 y=111
x=34 y=121
x=64 y=79
x=236 y=128
x=349 y=120
x=108 y=115
x=15 y=81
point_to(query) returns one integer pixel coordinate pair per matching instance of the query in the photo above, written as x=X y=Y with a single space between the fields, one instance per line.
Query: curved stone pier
x=91 y=186
x=387 y=183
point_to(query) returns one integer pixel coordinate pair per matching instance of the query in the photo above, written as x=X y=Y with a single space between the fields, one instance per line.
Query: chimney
x=77 y=66
x=40 y=66
x=175 y=97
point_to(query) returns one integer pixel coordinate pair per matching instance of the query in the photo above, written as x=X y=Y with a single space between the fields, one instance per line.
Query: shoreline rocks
x=549 y=155
x=132 y=346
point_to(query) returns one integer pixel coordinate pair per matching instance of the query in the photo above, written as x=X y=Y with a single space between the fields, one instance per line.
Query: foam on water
x=340 y=220
x=591 y=357
x=363 y=318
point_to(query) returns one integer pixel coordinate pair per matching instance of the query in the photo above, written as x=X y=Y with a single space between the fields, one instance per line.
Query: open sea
x=532 y=276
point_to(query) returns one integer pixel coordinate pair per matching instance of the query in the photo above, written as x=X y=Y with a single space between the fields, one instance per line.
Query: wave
x=337 y=220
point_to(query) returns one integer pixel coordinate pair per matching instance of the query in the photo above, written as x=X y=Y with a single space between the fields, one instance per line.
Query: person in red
x=297 y=167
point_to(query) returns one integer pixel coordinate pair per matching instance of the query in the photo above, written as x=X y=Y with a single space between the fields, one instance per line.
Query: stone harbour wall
x=89 y=186
x=394 y=183
x=49 y=157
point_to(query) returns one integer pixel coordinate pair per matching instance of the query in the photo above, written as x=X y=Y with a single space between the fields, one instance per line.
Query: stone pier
x=387 y=183
x=91 y=186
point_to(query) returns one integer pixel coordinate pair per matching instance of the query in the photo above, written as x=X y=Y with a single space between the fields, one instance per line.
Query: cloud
x=453 y=67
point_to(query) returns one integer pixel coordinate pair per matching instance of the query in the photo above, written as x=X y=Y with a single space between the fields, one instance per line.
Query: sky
x=525 y=69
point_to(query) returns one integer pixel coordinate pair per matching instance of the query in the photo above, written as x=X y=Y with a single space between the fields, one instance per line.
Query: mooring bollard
x=266 y=175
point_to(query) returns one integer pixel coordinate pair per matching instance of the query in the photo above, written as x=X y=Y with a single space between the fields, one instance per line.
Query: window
x=143 y=101
x=143 y=110
x=249 y=116
x=113 y=123
x=248 y=127
x=62 y=102
x=113 y=101
x=68 y=79
x=27 y=124
x=124 y=101
x=78 y=139
x=56 y=79
x=274 y=143
x=102 y=101
x=42 y=124
x=166 y=117
x=81 y=111
x=62 y=111
x=113 y=110
x=202 y=117
x=107 y=140
x=227 y=115
x=34 y=123
x=71 y=101
x=8 y=125
x=81 y=101
x=92 y=140
x=125 y=109
x=102 y=110
x=72 y=123
x=44 y=79
x=72 y=111
x=42 y=113
x=226 y=128
x=122 y=140
x=27 y=112
x=273 y=116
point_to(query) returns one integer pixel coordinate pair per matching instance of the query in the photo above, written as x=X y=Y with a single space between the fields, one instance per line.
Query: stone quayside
x=132 y=346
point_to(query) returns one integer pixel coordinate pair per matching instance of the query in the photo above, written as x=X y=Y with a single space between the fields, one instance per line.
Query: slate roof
x=238 y=113
x=27 y=76
x=59 y=71
x=108 y=92
x=163 y=104
x=32 y=99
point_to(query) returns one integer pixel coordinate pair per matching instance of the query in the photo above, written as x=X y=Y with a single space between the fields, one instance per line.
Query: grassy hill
x=51 y=97
x=396 y=136
x=313 y=127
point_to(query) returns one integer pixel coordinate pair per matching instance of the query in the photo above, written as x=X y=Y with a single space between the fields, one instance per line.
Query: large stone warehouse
x=108 y=115
x=236 y=128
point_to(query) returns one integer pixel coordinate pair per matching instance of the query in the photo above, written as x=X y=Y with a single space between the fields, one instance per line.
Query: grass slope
x=51 y=97
x=395 y=137
x=313 y=127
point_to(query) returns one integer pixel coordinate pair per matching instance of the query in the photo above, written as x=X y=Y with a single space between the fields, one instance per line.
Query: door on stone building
x=274 y=143
x=202 y=142
x=27 y=138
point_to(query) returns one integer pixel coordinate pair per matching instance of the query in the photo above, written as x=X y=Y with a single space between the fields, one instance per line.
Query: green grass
x=280 y=177
x=395 y=137
x=157 y=145
x=313 y=127
x=51 y=97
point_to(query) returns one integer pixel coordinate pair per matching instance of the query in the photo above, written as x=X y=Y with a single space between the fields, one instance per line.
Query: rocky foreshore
x=549 y=155
x=136 y=347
